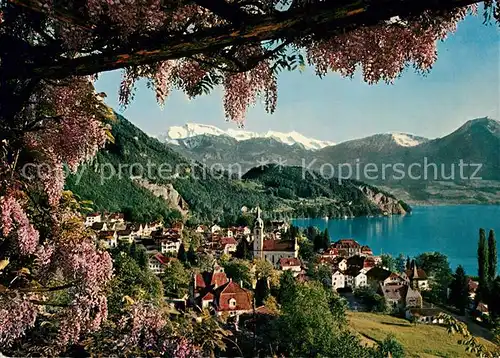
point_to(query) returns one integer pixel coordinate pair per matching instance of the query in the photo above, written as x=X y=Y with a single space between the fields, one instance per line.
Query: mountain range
x=476 y=144
x=147 y=180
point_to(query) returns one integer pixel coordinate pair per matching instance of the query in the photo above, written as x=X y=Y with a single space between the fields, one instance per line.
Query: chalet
x=93 y=218
x=158 y=262
x=291 y=264
x=125 y=236
x=425 y=315
x=348 y=247
x=355 y=278
x=228 y=244
x=417 y=277
x=108 y=238
x=378 y=275
x=413 y=298
x=330 y=252
x=394 y=295
x=232 y=299
x=338 y=280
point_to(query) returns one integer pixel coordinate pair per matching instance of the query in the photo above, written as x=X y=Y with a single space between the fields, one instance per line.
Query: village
x=351 y=267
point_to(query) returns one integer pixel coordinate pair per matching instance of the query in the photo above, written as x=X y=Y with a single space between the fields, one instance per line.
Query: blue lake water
x=452 y=230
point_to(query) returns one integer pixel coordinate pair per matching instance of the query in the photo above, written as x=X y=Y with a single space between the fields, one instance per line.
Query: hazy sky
x=463 y=84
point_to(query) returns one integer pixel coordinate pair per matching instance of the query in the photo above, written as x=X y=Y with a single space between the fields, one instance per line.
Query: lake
x=452 y=230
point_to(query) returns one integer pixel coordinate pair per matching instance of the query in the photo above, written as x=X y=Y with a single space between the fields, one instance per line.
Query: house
x=417 y=277
x=348 y=247
x=125 y=236
x=158 y=262
x=168 y=245
x=366 y=251
x=228 y=244
x=340 y=263
x=355 y=278
x=215 y=228
x=93 y=218
x=472 y=288
x=207 y=282
x=369 y=263
x=279 y=225
x=116 y=217
x=290 y=264
x=99 y=226
x=394 y=295
x=338 y=280
x=413 y=298
x=201 y=229
x=271 y=250
x=108 y=238
x=330 y=252
x=232 y=299
x=425 y=315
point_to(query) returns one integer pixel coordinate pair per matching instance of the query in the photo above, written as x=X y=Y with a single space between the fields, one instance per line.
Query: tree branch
x=337 y=17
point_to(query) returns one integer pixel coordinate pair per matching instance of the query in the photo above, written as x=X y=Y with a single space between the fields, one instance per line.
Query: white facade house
x=356 y=279
x=93 y=218
x=215 y=228
x=342 y=265
x=170 y=246
x=338 y=280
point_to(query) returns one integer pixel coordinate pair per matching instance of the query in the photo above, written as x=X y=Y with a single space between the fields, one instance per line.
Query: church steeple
x=258 y=233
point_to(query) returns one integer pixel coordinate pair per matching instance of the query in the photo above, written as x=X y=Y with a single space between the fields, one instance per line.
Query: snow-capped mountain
x=190 y=130
x=407 y=140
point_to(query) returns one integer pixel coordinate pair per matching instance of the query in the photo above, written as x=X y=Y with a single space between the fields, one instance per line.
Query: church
x=271 y=250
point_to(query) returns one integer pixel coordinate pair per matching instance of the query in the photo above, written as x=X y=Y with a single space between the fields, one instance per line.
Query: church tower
x=258 y=236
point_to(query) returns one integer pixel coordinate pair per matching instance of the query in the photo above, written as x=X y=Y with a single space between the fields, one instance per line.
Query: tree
x=390 y=345
x=287 y=287
x=482 y=265
x=176 y=279
x=261 y=291
x=400 y=263
x=191 y=256
x=459 y=290
x=182 y=255
x=492 y=256
x=243 y=250
x=239 y=271
x=326 y=239
x=306 y=249
x=437 y=268
x=494 y=302
x=388 y=262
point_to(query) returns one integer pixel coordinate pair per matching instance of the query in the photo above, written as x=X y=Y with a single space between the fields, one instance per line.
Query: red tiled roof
x=199 y=281
x=472 y=285
x=289 y=262
x=208 y=297
x=218 y=279
x=421 y=274
x=162 y=259
x=347 y=243
x=228 y=241
x=365 y=249
x=279 y=245
x=94 y=214
x=233 y=291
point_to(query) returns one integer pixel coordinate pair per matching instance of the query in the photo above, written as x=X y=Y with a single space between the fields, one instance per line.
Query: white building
x=355 y=279
x=338 y=280
x=93 y=218
x=170 y=246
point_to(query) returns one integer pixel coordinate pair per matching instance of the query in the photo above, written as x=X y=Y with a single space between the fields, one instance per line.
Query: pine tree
x=482 y=264
x=243 y=250
x=326 y=239
x=181 y=255
x=408 y=263
x=459 y=293
x=191 y=256
x=492 y=256
x=261 y=291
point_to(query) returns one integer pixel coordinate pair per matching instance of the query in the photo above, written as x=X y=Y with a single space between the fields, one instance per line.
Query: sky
x=464 y=84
